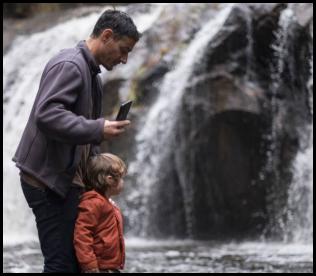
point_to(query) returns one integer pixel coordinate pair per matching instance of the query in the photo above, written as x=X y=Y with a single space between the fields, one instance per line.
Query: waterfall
x=294 y=219
x=155 y=139
x=249 y=49
x=281 y=54
x=300 y=200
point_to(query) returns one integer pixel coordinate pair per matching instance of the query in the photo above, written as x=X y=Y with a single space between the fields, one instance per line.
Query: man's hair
x=101 y=165
x=119 y=22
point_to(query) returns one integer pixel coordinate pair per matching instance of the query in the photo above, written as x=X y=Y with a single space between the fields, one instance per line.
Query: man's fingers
x=117 y=123
x=114 y=128
x=118 y=131
x=122 y=123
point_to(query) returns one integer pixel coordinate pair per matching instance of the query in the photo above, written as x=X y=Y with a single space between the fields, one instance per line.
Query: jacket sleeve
x=83 y=236
x=95 y=149
x=59 y=90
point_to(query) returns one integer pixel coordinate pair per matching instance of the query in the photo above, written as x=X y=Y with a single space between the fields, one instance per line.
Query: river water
x=186 y=256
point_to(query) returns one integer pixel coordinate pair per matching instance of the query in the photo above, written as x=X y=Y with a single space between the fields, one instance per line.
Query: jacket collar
x=94 y=67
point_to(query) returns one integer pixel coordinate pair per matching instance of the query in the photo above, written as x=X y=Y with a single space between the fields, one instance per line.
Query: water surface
x=186 y=256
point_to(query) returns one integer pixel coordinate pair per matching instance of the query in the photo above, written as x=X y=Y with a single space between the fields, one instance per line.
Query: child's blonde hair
x=101 y=165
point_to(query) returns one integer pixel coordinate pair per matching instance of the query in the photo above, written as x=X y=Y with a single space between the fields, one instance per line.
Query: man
x=64 y=129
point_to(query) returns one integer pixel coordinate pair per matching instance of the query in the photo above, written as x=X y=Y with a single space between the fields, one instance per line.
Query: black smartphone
x=124 y=109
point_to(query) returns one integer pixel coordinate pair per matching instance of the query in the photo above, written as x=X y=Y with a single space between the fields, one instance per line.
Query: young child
x=98 y=237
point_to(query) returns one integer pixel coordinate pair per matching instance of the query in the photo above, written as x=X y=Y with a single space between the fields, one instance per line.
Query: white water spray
x=155 y=140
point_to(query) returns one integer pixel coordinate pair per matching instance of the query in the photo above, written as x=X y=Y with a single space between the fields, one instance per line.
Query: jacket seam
x=64 y=61
x=28 y=152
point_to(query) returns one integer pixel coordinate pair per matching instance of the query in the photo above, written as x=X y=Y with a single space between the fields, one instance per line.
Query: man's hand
x=114 y=128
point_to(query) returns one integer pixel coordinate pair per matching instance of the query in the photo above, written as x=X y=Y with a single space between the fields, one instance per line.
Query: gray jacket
x=65 y=116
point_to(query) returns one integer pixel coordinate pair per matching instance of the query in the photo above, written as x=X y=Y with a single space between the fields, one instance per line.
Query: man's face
x=114 y=50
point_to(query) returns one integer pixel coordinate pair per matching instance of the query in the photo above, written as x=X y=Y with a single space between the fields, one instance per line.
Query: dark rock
x=110 y=99
x=231 y=103
x=148 y=85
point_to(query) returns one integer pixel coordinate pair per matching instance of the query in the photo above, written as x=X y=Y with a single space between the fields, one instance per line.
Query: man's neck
x=92 y=46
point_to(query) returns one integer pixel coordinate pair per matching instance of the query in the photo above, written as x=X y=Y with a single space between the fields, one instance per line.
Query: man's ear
x=106 y=34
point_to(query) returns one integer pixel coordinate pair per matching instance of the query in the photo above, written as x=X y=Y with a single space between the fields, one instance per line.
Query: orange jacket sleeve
x=83 y=235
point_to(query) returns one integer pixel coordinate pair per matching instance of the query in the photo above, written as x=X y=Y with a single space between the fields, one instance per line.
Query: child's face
x=115 y=186
x=117 y=189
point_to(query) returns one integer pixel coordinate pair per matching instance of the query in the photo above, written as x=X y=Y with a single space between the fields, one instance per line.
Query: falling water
x=281 y=54
x=249 y=49
x=294 y=220
x=155 y=139
x=300 y=199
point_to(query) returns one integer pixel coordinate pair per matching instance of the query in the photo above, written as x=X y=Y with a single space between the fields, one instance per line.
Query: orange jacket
x=98 y=236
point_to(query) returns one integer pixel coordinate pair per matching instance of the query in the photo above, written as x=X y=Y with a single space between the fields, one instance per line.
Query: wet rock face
x=219 y=151
x=148 y=84
x=221 y=154
x=227 y=110
x=228 y=185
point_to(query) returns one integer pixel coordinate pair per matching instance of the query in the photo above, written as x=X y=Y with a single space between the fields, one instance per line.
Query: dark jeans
x=55 y=220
